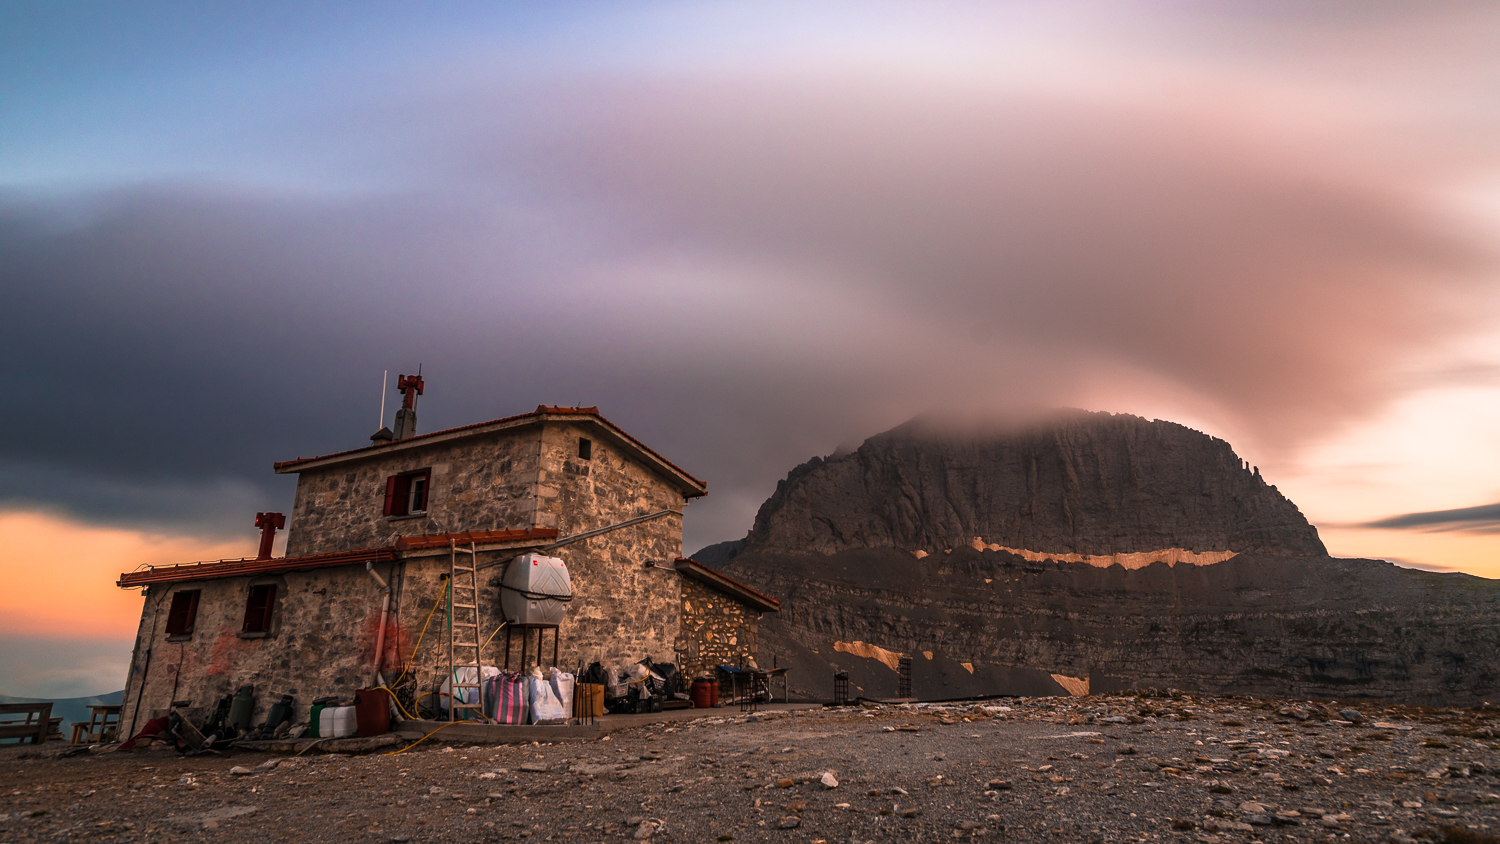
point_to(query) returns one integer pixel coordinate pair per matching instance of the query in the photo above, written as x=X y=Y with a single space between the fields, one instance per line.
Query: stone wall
x=485 y=482
x=321 y=643
x=716 y=630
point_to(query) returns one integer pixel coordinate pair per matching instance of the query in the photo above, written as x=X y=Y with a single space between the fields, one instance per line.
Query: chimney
x=268 y=523
x=406 y=418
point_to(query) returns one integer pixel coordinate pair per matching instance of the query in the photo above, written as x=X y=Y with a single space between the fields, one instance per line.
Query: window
x=406 y=493
x=585 y=449
x=183 y=613
x=258 y=608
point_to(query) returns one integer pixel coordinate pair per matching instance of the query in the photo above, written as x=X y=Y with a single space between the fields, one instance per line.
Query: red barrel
x=372 y=712
x=705 y=694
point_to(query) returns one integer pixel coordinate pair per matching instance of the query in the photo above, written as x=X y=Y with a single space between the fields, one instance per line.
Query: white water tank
x=535 y=590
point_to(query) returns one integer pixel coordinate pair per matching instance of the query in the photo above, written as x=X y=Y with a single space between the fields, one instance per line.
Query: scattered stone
x=829 y=780
x=645 y=830
x=241 y=771
x=211 y=819
x=1353 y=716
x=533 y=767
x=790 y=822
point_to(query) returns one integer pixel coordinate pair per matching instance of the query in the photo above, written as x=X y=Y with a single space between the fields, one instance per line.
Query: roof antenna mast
x=384 y=434
x=385 y=377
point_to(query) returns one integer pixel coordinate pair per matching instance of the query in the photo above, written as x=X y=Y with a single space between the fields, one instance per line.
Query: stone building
x=361 y=596
x=720 y=622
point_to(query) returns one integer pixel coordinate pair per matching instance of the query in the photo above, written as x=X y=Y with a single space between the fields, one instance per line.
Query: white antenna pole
x=385 y=376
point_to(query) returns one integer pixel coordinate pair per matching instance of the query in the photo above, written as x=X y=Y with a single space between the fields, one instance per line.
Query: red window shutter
x=390 y=495
x=192 y=610
x=183 y=612
x=426 y=477
x=258 y=608
x=265 y=620
x=253 y=608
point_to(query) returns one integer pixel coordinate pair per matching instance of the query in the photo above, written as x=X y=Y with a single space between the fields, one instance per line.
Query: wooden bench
x=25 y=720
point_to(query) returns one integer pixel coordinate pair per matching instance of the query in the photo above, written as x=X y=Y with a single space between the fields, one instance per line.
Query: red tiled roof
x=541 y=410
x=477 y=537
x=248 y=566
x=251 y=566
x=727 y=585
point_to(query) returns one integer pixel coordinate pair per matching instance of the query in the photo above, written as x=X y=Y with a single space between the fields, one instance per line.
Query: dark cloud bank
x=740 y=271
x=1482 y=519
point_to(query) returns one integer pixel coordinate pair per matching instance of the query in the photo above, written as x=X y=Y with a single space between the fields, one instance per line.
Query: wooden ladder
x=463 y=632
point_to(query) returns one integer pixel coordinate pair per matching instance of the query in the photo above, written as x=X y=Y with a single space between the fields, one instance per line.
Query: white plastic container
x=535 y=590
x=336 y=721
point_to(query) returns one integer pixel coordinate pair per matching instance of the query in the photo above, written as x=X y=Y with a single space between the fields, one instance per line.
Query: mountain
x=1093 y=551
x=1086 y=483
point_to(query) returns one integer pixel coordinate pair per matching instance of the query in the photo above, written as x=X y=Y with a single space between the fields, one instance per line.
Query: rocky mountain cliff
x=1086 y=483
x=1082 y=575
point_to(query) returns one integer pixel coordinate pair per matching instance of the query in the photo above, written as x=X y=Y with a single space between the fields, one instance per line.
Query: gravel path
x=1168 y=767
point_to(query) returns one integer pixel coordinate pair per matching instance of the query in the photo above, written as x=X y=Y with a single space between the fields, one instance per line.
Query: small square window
x=406 y=493
x=184 y=612
x=585 y=449
x=259 y=607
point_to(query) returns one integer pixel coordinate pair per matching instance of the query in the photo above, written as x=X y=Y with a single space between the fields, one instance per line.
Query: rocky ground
x=1162 y=767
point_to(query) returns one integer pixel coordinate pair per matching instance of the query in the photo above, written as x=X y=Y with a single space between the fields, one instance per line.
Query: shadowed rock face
x=838 y=541
x=1291 y=626
x=1088 y=483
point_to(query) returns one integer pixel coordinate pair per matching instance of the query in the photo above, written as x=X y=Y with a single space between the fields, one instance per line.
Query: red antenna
x=410 y=387
x=268 y=523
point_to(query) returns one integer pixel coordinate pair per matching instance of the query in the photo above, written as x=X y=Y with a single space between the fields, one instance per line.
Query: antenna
x=385 y=376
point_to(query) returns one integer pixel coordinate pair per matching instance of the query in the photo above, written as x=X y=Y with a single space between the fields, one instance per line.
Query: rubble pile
x=1158 y=766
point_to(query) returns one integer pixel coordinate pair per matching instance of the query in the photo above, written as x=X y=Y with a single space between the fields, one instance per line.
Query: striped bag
x=510 y=698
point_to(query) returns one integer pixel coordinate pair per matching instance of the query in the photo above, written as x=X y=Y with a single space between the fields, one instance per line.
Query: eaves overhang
x=717 y=581
x=690 y=486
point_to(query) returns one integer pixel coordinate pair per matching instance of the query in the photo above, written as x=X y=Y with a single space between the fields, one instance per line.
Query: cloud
x=746 y=263
x=1482 y=519
x=56 y=668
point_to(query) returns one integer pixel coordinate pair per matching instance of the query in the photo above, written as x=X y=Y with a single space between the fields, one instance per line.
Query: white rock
x=829 y=780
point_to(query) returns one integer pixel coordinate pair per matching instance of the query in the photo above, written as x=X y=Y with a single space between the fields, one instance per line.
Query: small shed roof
x=727 y=585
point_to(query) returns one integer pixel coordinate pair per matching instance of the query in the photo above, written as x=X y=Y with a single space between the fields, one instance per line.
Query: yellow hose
x=492 y=635
x=396 y=701
x=413 y=656
x=425 y=738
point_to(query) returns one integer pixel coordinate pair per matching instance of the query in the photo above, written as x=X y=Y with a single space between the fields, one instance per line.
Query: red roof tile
x=541 y=410
x=251 y=566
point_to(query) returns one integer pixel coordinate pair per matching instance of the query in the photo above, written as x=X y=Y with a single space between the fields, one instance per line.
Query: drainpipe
x=385 y=611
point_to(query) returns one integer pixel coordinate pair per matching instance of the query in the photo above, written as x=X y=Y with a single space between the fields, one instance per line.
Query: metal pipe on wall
x=385 y=612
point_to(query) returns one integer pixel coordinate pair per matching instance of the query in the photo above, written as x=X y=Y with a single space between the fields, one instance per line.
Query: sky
x=748 y=233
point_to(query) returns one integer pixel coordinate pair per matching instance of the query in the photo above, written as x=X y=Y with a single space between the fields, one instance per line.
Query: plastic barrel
x=702 y=693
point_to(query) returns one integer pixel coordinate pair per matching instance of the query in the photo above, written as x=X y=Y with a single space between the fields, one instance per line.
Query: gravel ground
x=1162 y=767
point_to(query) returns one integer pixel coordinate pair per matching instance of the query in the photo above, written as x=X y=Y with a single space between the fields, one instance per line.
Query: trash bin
x=372 y=712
